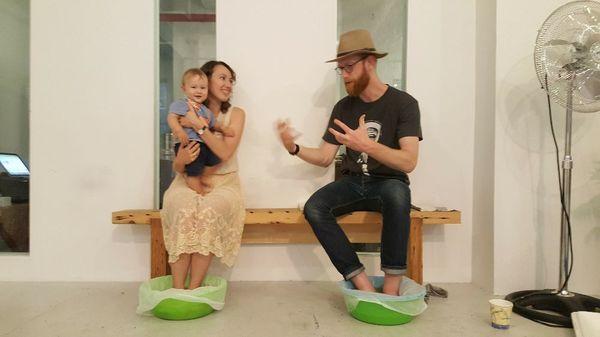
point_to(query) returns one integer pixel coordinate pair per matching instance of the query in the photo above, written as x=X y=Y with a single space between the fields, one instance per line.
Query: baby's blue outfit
x=180 y=107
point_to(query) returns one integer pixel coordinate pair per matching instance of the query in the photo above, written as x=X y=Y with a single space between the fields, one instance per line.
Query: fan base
x=548 y=306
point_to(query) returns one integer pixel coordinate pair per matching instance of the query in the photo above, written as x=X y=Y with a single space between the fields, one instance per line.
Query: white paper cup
x=500 y=312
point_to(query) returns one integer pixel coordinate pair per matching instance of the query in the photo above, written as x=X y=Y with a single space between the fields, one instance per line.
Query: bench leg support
x=415 y=250
x=158 y=254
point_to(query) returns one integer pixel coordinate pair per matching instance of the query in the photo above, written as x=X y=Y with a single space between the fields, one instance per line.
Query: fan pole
x=567 y=166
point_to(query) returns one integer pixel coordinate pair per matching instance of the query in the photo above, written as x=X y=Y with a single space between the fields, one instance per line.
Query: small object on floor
x=383 y=309
x=500 y=312
x=157 y=297
x=429 y=208
x=436 y=291
x=586 y=324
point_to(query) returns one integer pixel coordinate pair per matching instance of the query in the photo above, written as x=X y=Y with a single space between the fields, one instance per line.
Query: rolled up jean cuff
x=393 y=271
x=353 y=273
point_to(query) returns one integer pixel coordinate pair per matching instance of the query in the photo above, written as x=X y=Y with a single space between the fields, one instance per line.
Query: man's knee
x=314 y=209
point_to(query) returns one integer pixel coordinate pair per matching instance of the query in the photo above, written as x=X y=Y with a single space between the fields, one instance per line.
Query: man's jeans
x=389 y=196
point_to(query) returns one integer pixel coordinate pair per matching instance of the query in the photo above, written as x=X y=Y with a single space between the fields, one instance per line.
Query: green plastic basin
x=374 y=313
x=158 y=298
x=177 y=310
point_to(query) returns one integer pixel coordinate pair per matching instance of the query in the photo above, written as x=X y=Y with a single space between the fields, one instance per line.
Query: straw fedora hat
x=356 y=42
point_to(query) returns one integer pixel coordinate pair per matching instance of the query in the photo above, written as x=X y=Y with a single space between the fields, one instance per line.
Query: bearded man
x=380 y=127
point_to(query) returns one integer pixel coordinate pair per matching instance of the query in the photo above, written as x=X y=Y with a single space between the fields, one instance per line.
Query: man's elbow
x=325 y=162
x=411 y=166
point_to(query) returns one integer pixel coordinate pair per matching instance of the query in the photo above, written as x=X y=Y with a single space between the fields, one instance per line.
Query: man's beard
x=356 y=88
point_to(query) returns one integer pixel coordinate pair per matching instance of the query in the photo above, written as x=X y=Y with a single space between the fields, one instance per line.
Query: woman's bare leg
x=198 y=268
x=179 y=270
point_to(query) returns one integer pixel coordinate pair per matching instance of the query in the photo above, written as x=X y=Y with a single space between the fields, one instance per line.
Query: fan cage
x=576 y=21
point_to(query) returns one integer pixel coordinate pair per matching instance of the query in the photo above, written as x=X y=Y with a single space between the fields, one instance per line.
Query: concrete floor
x=252 y=309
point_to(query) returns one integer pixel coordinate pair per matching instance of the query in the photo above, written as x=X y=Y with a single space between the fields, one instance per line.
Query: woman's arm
x=223 y=147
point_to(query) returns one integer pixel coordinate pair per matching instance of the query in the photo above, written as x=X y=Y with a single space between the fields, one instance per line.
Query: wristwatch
x=201 y=130
x=296 y=150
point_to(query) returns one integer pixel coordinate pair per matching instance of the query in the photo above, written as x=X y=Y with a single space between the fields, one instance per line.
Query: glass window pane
x=187 y=39
x=14 y=126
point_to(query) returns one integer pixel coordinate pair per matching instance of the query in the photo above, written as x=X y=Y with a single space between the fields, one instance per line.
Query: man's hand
x=357 y=140
x=287 y=135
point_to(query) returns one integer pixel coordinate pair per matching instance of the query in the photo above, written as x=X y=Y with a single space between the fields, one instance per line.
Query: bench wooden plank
x=292 y=216
x=135 y=216
x=288 y=226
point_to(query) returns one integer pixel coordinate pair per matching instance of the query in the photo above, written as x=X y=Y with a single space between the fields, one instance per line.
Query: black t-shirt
x=393 y=116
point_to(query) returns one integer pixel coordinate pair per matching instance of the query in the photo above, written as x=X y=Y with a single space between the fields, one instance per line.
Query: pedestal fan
x=567 y=61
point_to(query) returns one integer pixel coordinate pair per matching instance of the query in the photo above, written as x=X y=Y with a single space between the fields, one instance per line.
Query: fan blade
x=593 y=38
x=589 y=84
x=557 y=43
x=557 y=56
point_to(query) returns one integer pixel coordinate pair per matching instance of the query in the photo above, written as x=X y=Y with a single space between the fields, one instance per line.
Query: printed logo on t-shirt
x=373 y=131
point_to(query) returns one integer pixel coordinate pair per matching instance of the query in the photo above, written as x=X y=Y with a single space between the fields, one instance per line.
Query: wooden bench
x=288 y=226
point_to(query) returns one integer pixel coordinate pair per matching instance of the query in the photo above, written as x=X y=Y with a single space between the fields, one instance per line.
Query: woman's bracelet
x=201 y=130
x=296 y=150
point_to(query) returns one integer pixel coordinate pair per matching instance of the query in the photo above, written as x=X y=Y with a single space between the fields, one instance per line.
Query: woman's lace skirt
x=212 y=223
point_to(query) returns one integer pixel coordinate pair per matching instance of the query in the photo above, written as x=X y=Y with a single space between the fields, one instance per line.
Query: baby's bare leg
x=206 y=176
x=206 y=182
x=195 y=183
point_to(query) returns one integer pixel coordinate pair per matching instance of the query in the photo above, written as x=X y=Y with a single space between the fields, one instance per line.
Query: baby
x=194 y=84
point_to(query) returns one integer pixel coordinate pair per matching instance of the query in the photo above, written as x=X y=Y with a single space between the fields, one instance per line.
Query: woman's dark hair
x=208 y=68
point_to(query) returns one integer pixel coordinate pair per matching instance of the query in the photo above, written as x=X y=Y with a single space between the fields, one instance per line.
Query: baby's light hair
x=192 y=72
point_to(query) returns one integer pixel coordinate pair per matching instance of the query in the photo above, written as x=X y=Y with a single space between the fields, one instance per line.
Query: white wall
x=527 y=206
x=483 y=170
x=14 y=76
x=441 y=75
x=87 y=124
x=280 y=60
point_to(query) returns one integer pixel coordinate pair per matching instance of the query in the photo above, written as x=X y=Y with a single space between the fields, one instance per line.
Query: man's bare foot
x=362 y=282
x=391 y=284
